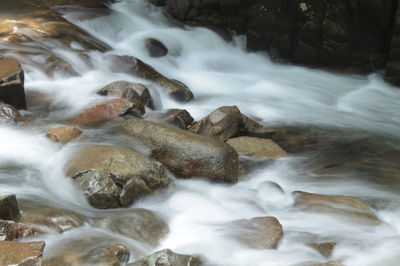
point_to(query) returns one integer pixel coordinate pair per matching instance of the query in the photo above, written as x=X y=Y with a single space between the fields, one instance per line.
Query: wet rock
x=113 y=177
x=156 y=48
x=10 y=230
x=176 y=117
x=330 y=263
x=345 y=206
x=103 y=112
x=63 y=134
x=136 y=93
x=50 y=219
x=9 y=209
x=21 y=254
x=167 y=257
x=222 y=123
x=89 y=250
x=324 y=248
x=134 y=66
x=260 y=232
x=257 y=147
x=12 y=83
x=140 y=224
x=56 y=65
x=184 y=153
x=9 y=115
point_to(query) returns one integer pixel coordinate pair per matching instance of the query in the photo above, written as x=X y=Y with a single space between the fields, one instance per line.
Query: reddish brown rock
x=9 y=209
x=21 y=254
x=103 y=112
x=10 y=230
x=63 y=134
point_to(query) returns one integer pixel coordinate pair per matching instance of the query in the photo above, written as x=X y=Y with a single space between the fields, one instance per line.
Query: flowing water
x=218 y=73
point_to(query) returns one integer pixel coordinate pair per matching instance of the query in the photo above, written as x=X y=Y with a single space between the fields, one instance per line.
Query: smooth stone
x=257 y=147
x=63 y=134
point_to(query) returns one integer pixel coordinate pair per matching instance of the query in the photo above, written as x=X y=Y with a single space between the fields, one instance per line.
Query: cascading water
x=218 y=73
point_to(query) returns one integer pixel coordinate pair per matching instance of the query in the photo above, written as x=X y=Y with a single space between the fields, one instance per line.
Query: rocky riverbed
x=127 y=138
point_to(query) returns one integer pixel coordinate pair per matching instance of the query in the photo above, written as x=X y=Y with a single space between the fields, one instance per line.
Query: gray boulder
x=167 y=257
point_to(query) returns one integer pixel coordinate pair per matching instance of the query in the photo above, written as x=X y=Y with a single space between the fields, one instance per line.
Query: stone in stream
x=136 y=93
x=179 y=118
x=9 y=114
x=88 y=250
x=50 y=219
x=9 y=209
x=259 y=232
x=113 y=177
x=11 y=231
x=184 y=153
x=257 y=147
x=155 y=48
x=342 y=206
x=131 y=65
x=167 y=257
x=21 y=254
x=63 y=134
x=56 y=65
x=103 y=112
x=324 y=248
x=140 y=224
x=12 y=83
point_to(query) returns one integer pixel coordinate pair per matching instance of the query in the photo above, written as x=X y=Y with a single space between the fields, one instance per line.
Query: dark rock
x=156 y=48
x=167 y=257
x=9 y=209
x=260 y=232
x=158 y=2
x=113 y=177
x=89 y=250
x=103 y=112
x=176 y=117
x=52 y=218
x=184 y=153
x=393 y=62
x=55 y=65
x=9 y=115
x=63 y=134
x=140 y=224
x=21 y=254
x=10 y=230
x=134 y=66
x=12 y=83
x=325 y=248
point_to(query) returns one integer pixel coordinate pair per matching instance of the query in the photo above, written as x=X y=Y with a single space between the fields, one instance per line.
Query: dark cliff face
x=359 y=34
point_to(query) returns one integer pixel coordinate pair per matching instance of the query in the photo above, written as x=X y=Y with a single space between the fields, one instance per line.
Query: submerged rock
x=10 y=230
x=113 y=177
x=12 y=83
x=184 y=153
x=167 y=257
x=63 y=134
x=155 y=48
x=103 y=112
x=52 y=218
x=21 y=254
x=345 y=206
x=140 y=224
x=88 y=250
x=56 y=65
x=134 y=66
x=260 y=232
x=9 y=115
x=179 y=118
x=324 y=248
x=9 y=209
x=257 y=147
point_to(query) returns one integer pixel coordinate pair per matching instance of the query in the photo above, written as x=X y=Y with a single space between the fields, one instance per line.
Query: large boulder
x=167 y=257
x=184 y=153
x=140 y=224
x=12 y=83
x=348 y=207
x=136 y=67
x=113 y=177
x=10 y=230
x=257 y=147
x=63 y=134
x=9 y=209
x=21 y=254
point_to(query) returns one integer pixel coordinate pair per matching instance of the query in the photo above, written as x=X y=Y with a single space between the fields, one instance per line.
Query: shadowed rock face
x=184 y=153
x=12 y=83
x=113 y=177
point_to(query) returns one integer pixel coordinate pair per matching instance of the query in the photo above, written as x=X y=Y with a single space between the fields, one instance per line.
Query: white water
x=218 y=73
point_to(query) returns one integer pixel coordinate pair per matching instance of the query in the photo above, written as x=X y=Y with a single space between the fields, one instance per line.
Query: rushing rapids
x=356 y=120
